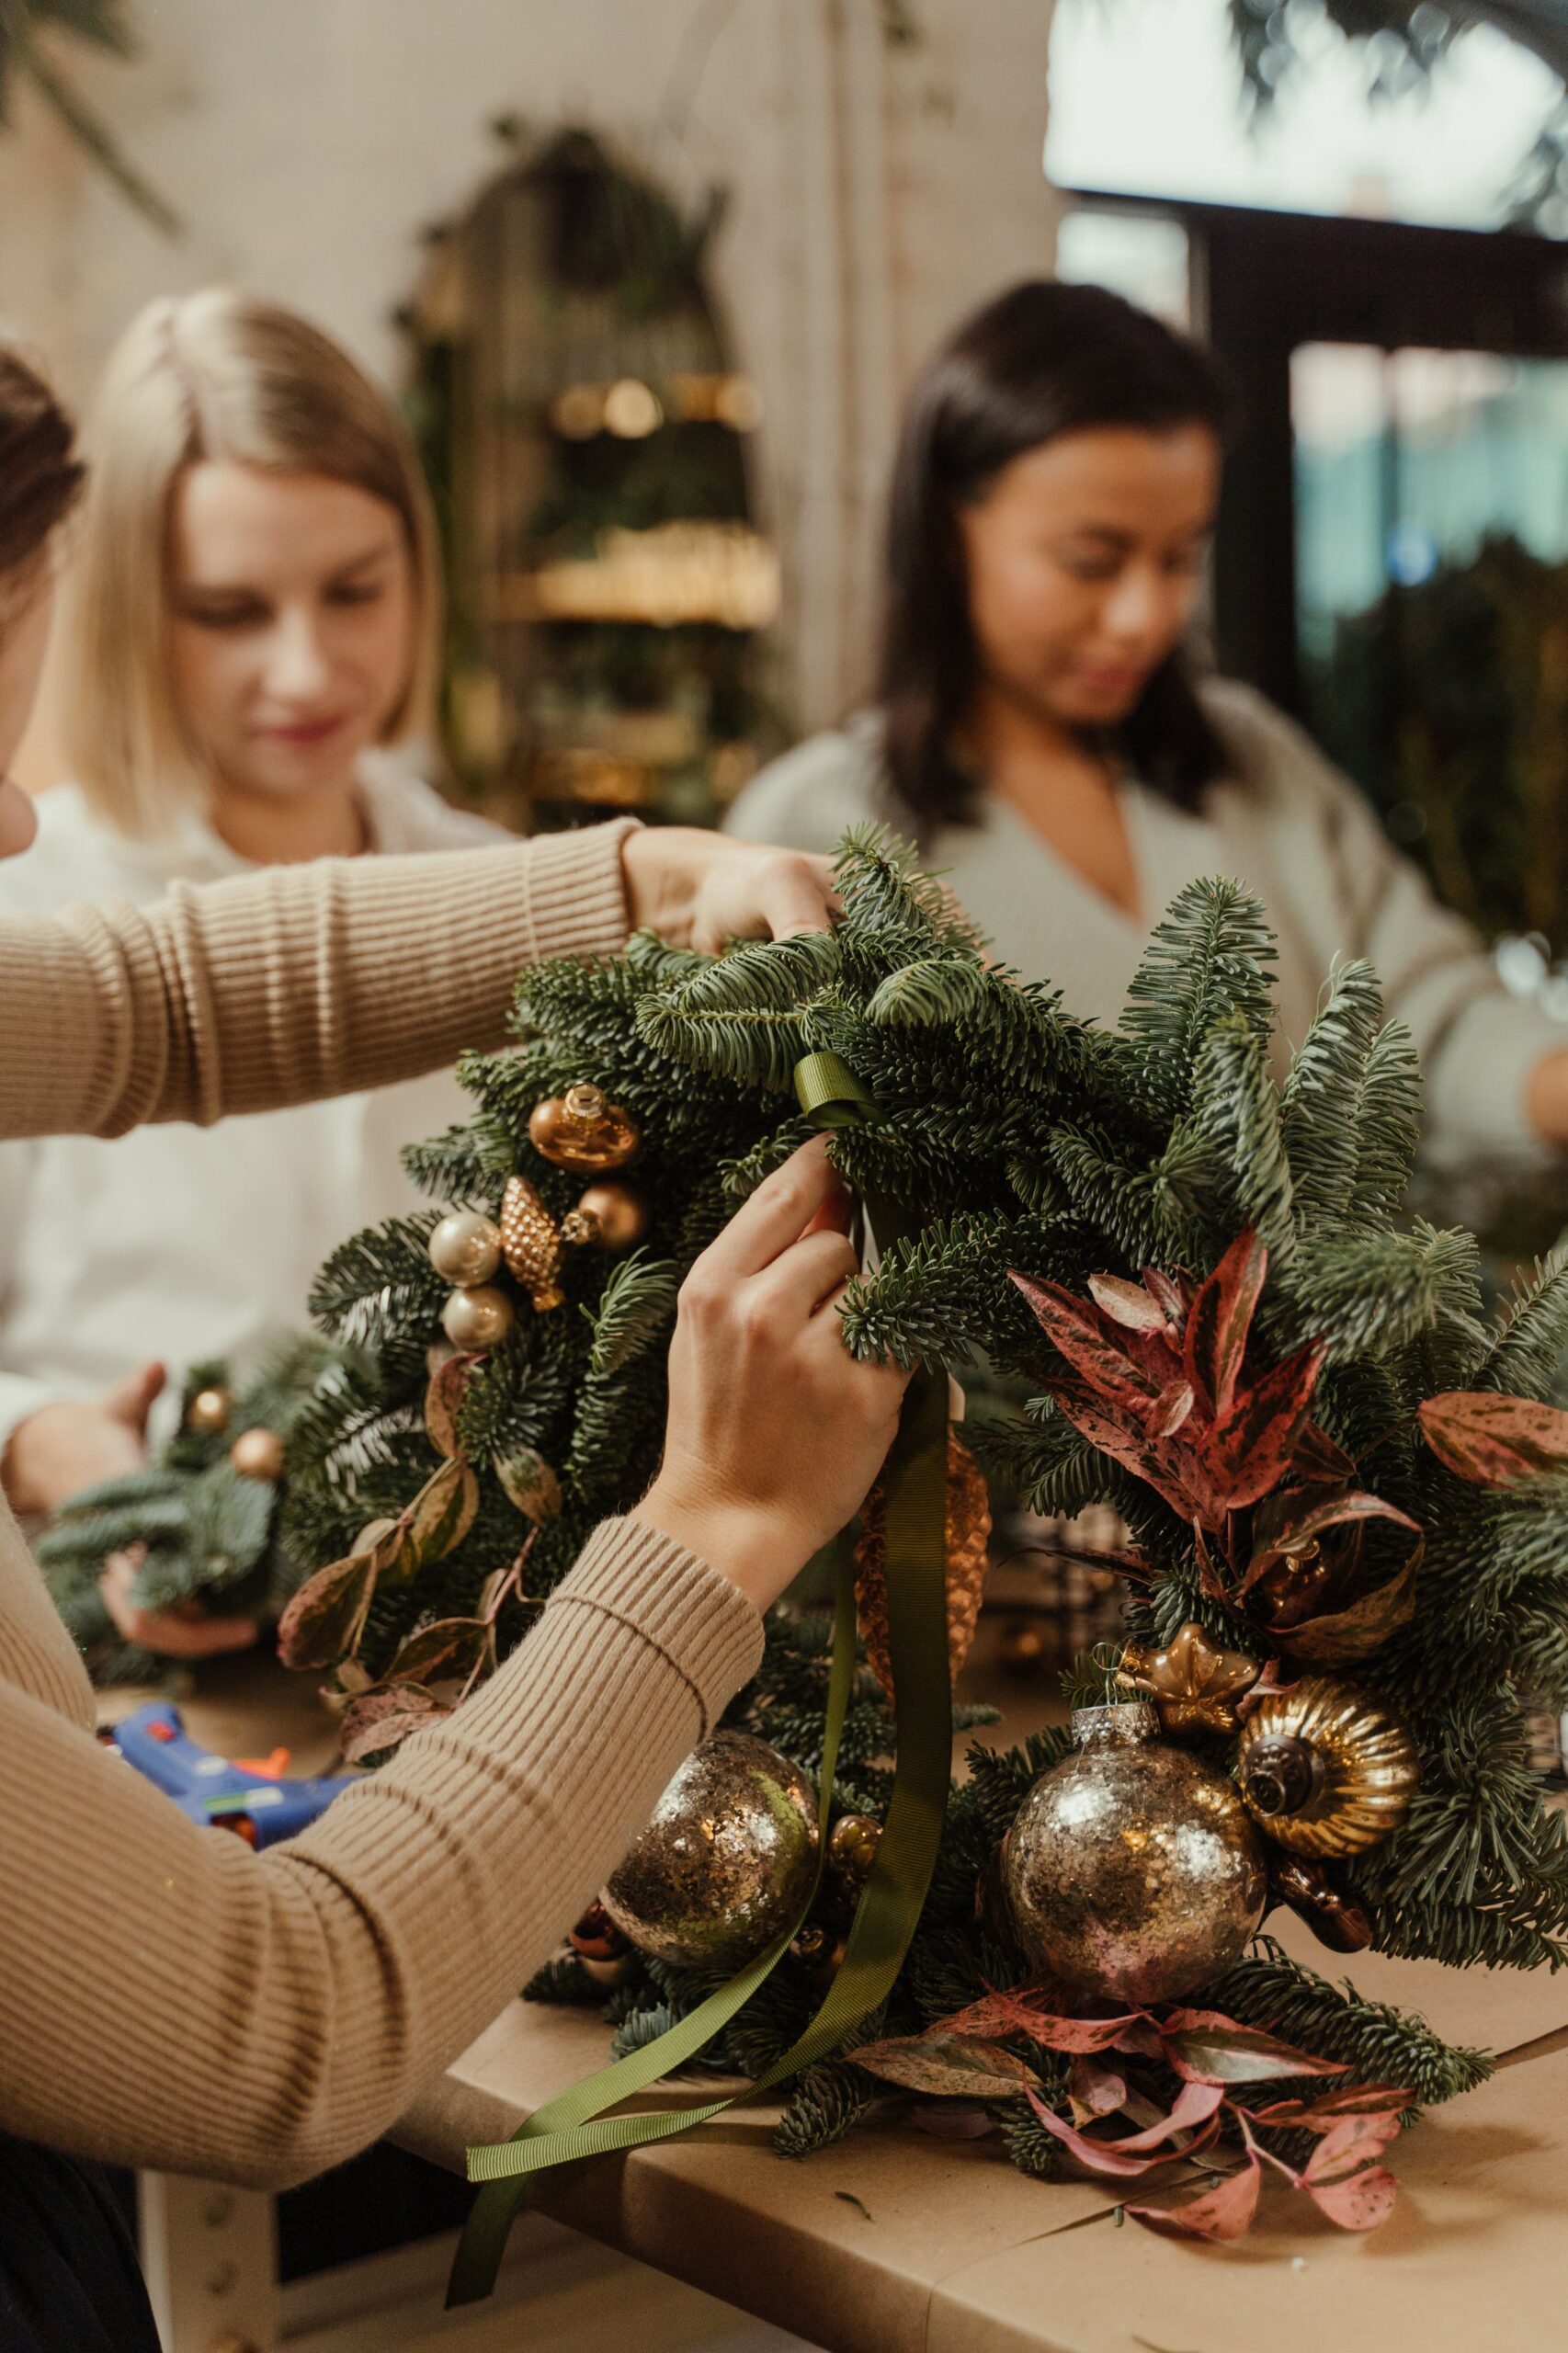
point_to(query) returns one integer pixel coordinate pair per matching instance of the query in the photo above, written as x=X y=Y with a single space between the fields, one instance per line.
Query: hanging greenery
x=26 y=54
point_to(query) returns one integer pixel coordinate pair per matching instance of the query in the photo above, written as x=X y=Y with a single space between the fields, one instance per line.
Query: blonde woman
x=254 y=613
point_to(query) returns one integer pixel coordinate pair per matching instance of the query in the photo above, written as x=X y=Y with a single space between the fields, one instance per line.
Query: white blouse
x=181 y=1243
x=1285 y=823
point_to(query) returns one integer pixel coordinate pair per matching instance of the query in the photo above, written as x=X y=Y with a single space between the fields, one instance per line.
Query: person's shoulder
x=1268 y=754
x=806 y=797
x=407 y=813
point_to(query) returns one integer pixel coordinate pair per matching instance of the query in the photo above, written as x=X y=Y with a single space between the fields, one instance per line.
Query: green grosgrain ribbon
x=575 y=2125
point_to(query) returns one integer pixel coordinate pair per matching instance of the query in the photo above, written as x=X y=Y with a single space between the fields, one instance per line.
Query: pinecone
x=968 y=1537
x=530 y=1244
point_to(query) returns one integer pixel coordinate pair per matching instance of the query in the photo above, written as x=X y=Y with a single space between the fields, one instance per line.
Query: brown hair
x=39 y=477
x=216 y=374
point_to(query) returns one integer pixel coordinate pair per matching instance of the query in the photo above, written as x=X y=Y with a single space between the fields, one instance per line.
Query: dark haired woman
x=1040 y=727
x=170 y=1999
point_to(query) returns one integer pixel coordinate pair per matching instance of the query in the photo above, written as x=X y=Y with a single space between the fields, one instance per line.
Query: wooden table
x=893 y=2243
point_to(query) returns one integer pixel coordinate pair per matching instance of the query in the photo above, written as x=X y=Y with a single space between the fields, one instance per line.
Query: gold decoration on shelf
x=258 y=1454
x=607 y=1217
x=465 y=1248
x=1132 y=1870
x=209 y=1412
x=1193 y=1683
x=530 y=1242
x=1324 y=1768
x=476 y=1319
x=727 y=1860
x=969 y=1536
x=583 y=1131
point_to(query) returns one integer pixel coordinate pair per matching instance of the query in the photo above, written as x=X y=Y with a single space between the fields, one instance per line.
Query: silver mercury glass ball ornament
x=727 y=1861
x=1132 y=1871
x=465 y=1248
x=477 y=1318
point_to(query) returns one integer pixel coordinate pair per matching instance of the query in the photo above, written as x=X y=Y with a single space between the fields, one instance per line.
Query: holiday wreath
x=1343 y=1488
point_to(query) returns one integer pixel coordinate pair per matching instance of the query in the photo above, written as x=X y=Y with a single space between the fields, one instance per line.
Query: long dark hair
x=1041 y=360
x=39 y=477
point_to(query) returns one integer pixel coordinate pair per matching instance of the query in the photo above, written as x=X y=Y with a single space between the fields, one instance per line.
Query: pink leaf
x=380 y=1719
x=1290 y=1524
x=1091 y=1417
x=1252 y=1447
x=1006 y=2014
x=324 y=1621
x=1125 y=2160
x=1128 y=1303
x=1098 y=2089
x=448 y=1385
x=1349 y=2142
x=1360 y=2203
x=1496 y=1441
x=451 y=1648
x=947 y=2065
x=1329 y=2108
x=1082 y=1334
x=1318 y=1461
x=1205 y=2048
x=1223 y=2213
x=1170 y=1299
x=1170 y=1409
x=1220 y=1319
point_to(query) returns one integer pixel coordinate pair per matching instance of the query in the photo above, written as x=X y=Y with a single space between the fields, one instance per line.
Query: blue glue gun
x=260 y=1801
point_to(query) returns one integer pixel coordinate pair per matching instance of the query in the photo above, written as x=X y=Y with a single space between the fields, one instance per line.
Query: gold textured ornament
x=968 y=1541
x=726 y=1862
x=209 y=1411
x=465 y=1248
x=608 y=1217
x=852 y=1844
x=582 y=1130
x=1324 y=1768
x=480 y=1318
x=258 y=1454
x=1131 y=1871
x=530 y=1243
x=1193 y=1683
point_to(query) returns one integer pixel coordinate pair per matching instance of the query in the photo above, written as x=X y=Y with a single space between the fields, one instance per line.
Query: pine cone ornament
x=967 y=1535
x=531 y=1244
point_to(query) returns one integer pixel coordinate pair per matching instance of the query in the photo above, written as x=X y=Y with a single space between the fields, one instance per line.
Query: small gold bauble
x=465 y=1248
x=480 y=1318
x=726 y=1862
x=1132 y=1872
x=209 y=1411
x=1324 y=1768
x=853 y=1841
x=1194 y=1683
x=967 y=1534
x=582 y=1130
x=609 y=1215
x=258 y=1454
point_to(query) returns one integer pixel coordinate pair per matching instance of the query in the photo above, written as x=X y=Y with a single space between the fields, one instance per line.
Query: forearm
x=294 y=984
x=179 y=2001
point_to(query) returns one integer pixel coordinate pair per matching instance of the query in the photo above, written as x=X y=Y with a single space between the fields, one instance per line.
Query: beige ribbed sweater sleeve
x=170 y=1999
x=293 y=984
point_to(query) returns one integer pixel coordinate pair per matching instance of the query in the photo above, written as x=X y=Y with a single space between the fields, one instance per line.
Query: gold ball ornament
x=583 y=1131
x=1131 y=1871
x=727 y=1861
x=1324 y=1768
x=480 y=1318
x=209 y=1411
x=465 y=1248
x=608 y=1217
x=968 y=1541
x=852 y=1844
x=258 y=1454
x=530 y=1243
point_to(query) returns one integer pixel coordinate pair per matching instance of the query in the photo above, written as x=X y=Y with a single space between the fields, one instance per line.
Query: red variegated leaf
x=452 y=1649
x=1196 y=2113
x=1128 y=1303
x=1006 y=2014
x=1170 y=1299
x=1289 y=1524
x=1205 y=2048
x=1223 y=2213
x=444 y=1394
x=1170 y=1409
x=1496 y=1441
x=1361 y=2202
x=949 y=2065
x=1329 y=2108
x=1341 y=1637
x=1250 y=1450
x=1090 y=1416
x=442 y=1514
x=1088 y=1341
x=325 y=1618
x=1219 y=1321
x=1096 y=2087
x=381 y=1720
x=1319 y=1461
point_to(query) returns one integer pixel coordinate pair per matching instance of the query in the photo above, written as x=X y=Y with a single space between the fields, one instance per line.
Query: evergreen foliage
x=1011 y=1136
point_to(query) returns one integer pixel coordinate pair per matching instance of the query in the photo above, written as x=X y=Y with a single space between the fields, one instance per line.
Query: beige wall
x=877 y=191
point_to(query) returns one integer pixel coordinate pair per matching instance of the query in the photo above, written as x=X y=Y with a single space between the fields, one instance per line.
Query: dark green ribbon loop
x=575 y=2125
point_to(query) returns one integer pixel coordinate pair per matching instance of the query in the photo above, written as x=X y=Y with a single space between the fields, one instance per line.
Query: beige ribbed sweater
x=168 y=1997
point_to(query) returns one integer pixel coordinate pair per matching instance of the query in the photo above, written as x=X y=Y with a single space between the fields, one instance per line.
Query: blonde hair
x=215 y=375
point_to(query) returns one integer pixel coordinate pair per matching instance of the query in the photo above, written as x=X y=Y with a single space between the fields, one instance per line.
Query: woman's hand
x=62 y=1449
x=775 y=1431
x=183 y=1632
x=699 y=890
